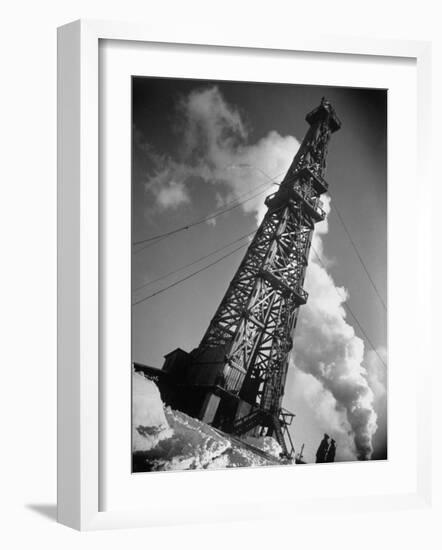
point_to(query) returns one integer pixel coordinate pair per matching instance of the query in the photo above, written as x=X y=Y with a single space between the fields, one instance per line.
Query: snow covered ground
x=165 y=439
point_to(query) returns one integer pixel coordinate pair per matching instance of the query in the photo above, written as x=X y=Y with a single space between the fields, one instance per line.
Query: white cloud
x=216 y=151
x=172 y=194
x=211 y=127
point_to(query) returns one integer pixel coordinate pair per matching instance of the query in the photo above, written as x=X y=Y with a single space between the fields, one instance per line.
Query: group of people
x=327 y=450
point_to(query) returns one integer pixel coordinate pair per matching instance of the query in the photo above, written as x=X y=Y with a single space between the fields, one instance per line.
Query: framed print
x=230 y=259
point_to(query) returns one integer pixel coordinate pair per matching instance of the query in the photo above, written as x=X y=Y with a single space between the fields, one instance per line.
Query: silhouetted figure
x=330 y=457
x=322 y=449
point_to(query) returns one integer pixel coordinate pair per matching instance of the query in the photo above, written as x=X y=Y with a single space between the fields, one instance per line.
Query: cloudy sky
x=201 y=147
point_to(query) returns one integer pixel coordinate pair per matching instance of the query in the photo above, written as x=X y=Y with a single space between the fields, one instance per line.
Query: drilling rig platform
x=234 y=380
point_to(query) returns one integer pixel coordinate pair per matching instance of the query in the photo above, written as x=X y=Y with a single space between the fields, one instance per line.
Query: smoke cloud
x=308 y=394
x=328 y=356
x=327 y=348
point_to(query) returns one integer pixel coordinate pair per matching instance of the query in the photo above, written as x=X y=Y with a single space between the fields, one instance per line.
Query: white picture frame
x=79 y=266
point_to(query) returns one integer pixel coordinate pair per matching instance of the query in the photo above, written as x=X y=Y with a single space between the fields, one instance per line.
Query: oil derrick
x=235 y=378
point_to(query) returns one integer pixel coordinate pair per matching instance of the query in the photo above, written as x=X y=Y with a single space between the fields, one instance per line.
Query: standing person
x=322 y=449
x=330 y=457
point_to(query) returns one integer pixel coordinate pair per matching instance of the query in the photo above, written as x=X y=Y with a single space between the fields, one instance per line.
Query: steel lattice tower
x=249 y=339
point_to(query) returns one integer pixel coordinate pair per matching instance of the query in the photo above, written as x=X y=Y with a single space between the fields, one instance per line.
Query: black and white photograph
x=259 y=274
x=221 y=275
